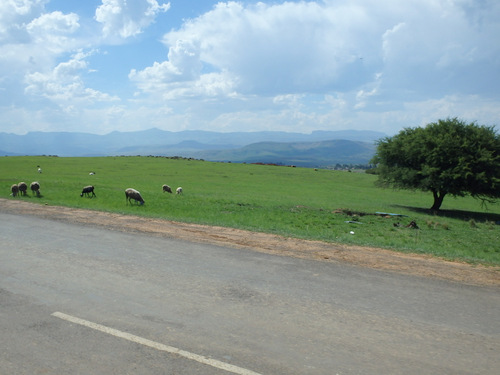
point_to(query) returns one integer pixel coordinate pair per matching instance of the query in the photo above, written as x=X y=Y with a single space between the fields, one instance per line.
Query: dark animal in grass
x=35 y=188
x=14 y=189
x=413 y=225
x=88 y=191
x=23 y=187
x=167 y=189
x=133 y=194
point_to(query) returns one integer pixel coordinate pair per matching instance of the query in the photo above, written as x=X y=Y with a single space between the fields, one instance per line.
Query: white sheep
x=35 y=188
x=14 y=189
x=23 y=187
x=167 y=189
x=133 y=194
x=39 y=170
x=178 y=190
x=87 y=190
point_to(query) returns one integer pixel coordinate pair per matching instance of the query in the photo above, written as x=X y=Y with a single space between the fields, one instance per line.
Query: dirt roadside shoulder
x=411 y=264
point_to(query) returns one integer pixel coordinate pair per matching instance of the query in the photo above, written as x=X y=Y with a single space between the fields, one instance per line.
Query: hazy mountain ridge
x=316 y=148
x=303 y=154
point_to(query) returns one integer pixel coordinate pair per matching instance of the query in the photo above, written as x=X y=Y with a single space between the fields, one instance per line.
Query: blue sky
x=97 y=66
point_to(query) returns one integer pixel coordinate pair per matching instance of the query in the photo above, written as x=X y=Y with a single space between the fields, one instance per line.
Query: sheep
x=15 y=190
x=133 y=194
x=35 y=188
x=87 y=190
x=23 y=187
x=167 y=188
x=178 y=190
x=39 y=170
x=91 y=173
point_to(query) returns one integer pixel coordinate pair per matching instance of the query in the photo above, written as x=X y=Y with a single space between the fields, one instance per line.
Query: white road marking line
x=156 y=345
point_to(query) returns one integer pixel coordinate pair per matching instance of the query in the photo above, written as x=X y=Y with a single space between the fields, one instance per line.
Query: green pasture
x=296 y=202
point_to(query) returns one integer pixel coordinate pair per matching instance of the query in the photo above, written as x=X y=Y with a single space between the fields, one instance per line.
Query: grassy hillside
x=298 y=202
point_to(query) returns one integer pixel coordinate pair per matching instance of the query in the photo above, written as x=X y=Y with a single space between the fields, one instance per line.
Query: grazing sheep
x=39 y=170
x=15 y=190
x=178 y=190
x=91 y=173
x=35 y=188
x=167 y=188
x=133 y=194
x=23 y=187
x=87 y=190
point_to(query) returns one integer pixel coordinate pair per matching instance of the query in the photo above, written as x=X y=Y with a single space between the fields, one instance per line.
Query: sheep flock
x=131 y=194
x=22 y=187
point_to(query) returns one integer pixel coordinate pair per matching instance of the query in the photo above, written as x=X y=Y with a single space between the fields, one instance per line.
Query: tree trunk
x=438 y=199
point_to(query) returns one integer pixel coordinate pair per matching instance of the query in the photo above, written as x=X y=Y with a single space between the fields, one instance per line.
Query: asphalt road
x=83 y=300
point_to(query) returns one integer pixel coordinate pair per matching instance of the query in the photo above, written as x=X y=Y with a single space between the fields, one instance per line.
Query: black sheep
x=87 y=190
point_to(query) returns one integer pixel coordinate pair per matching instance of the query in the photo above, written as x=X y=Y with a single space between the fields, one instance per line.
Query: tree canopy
x=448 y=157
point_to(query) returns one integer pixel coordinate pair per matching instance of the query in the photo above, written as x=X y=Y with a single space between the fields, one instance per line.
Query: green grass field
x=294 y=202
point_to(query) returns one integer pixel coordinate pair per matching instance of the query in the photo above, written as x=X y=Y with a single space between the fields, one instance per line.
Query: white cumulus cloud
x=183 y=64
x=282 y=48
x=126 y=18
x=63 y=85
x=334 y=46
x=14 y=14
x=53 y=29
x=31 y=38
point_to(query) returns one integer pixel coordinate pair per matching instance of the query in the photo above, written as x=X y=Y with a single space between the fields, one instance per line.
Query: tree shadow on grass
x=457 y=214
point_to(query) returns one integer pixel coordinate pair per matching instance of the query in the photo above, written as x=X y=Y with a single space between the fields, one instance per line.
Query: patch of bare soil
x=412 y=264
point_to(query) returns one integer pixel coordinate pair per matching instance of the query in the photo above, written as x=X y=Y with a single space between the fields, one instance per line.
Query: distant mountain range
x=320 y=148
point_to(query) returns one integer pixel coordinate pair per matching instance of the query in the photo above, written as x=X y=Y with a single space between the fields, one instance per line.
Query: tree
x=449 y=157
